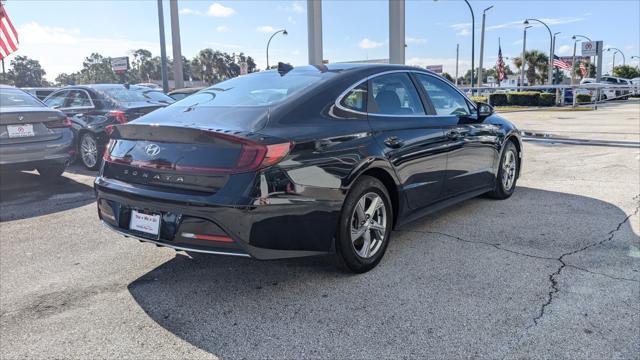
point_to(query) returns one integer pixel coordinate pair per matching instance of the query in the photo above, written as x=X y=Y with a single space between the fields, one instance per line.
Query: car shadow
x=27 y=194
x=452 y=284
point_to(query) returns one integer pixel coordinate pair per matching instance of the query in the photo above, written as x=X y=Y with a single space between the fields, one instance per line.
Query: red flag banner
x=8 y=34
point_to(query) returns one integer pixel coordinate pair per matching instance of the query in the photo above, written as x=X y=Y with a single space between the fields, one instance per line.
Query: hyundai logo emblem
x=152 y=149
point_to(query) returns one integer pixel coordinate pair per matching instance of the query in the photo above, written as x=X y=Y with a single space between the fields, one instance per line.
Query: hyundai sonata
x=304 y=161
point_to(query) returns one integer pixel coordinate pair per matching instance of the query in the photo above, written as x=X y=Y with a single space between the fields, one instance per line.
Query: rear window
x=252 y=90
x=123 y=95
x=17 y=98
x=158 y=96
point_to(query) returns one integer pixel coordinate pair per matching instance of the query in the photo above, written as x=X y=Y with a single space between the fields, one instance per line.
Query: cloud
x=43 y=43
x=411 y=40
x=266 y=29
x=188 y=11
x=291 y=20
x=462 y=29
x=219 y=10
x=369 y=44
x=564 y=50
x=222 y=28
x=518 y=24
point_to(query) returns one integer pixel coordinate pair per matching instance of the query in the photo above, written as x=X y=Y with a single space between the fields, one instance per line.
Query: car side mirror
x=484 y=110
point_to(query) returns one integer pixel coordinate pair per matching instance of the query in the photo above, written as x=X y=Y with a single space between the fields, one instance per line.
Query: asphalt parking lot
x=552 y=272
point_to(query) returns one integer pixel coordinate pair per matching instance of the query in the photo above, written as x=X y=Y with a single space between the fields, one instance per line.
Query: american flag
x=8 y=34
x=559 y=63
x=583 y=70
x=500 y=64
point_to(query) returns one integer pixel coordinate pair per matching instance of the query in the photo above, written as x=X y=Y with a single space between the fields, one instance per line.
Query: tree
x=626 y=71
x=537 y=66
x=67 y=79
x=96 y=69
x=142 y=66
x=213 y=66
x=447 y=76
x=26 y=72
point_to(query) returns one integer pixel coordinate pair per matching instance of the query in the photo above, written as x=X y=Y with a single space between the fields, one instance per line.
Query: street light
x=550 y=71
x=473 y=41
x=573 y=63
x=524 y=49
x=284 y=32
x=624 y=60
x=484 y=16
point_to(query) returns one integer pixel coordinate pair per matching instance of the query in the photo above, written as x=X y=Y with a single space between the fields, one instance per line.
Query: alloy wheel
x=509 y=167
x=89 y=151
x=368 y=225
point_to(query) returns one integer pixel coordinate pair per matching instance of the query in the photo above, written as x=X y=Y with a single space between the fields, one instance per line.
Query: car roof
x=334 y=68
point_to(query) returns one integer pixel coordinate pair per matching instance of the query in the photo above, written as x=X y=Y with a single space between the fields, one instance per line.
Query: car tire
x=507 y=173
x=89 y=151
x=51 y=170
x=365 y=226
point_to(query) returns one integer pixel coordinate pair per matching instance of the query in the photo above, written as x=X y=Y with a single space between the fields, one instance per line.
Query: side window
x=78 y=98
x=356 y=99
x=446 y=100
x=394 y=94
x=56 y=100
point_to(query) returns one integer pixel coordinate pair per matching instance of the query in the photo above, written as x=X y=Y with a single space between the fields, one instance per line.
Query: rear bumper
x=31 y=154
x=263 y=228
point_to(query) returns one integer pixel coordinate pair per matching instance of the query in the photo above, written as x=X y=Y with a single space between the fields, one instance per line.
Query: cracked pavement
x=553 y=272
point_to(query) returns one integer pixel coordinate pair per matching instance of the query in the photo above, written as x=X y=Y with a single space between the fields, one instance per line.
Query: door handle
x=393 y=142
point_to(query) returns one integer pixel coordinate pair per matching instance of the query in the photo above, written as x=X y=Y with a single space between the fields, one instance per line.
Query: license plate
x=146 y=223
x=18 y=131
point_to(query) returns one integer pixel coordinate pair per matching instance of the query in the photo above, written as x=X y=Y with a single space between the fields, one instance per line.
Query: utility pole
x=457 y=60
x=163 y=50
x=178 y=76
x=480 y=69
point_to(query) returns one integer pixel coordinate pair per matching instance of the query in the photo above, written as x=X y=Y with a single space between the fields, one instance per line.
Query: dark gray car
x=33 y=136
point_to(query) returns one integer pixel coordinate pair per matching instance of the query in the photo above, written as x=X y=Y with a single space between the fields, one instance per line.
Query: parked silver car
x=33 y=136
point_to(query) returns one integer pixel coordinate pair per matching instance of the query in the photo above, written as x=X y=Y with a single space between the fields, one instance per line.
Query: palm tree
x=537 y=63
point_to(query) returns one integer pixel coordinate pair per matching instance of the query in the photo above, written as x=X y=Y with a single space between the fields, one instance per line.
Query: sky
x=60 y=34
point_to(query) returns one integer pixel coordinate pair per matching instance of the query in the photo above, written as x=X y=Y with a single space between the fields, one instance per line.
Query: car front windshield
x=17 y=98
x=261 y=89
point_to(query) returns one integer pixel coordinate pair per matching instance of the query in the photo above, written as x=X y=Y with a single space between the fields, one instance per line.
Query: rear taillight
x=58 y=124
x=120 y=116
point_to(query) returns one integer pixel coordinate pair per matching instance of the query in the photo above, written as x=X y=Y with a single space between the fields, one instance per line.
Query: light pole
x=553 y=51
x=484 y=16
x=636 y=57
x=457 y=60
x=163 y=50
x=523 y=60
x=473 y=42
x=550 y=71
x=624 y=60
x=284 y=32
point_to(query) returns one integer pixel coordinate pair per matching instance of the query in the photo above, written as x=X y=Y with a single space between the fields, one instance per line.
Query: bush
x=547 y=99
x=498 y=99
x=479 y=99
x=524 y=98
x=583 y=98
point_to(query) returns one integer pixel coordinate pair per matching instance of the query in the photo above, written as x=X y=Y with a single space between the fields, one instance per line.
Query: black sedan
x=304 y=161
x=92 y=108
x=33 y=136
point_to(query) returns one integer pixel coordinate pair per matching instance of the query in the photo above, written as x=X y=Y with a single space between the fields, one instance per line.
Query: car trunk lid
x=30 y=124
